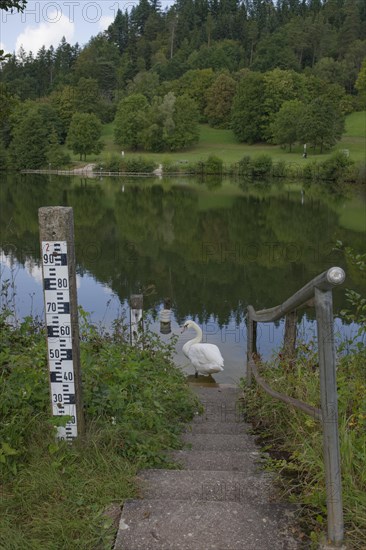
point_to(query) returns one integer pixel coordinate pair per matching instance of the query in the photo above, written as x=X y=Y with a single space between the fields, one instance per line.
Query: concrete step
x=207 y=485
x=237 y=461
x=185 y=525
x=220 y=411
x=209 y=427
x=219 y=404
x=225 y=392
x=219 y=442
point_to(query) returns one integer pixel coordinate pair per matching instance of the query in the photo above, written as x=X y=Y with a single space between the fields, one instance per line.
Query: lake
x=211 y=247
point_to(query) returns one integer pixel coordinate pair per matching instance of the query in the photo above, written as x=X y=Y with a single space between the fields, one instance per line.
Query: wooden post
x=56 y=227
x=165 y=317
x=136 y=321
x=251 y=342
x=290 y=335
x=329 y=406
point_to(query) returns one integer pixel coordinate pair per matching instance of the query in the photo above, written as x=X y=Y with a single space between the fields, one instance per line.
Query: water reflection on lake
x=211 y=250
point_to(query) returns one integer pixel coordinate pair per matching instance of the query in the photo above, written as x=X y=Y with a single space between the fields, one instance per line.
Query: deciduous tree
x=28 y=148
x=56 y=156
x=248 y=108
x=284 y=128
x=131 y=121
x=322 y=124
x=84 y=134
x=219 y=99
x=186 y=129
x=361 y=84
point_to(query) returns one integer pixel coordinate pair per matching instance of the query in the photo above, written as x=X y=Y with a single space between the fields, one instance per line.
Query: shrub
x=245 y=166
x=262 y=166
x=132 y=164
x=279 y=169
x=113 y=164
x=169 y=167
x=311 y=171
x=336 y=167
x=213 y=165
x=138 y=165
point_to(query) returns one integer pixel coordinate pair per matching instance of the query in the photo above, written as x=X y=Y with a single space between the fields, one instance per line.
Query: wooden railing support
x=289 y=344
x=317 y=292
x=251 y=342
x=329 y=406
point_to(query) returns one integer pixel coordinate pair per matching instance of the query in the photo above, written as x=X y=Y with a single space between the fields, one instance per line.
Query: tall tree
x=56 y=156
x=361 y=84
x=248 y=108
x=9 y=103
x=185 y=119
x=194 y=83
x=219 y=97
x=99 y=60
x=131 y=121
x=18 y=5
x=28 y=148
x=321 y=125
x=284 y=128
x=87 y=96
x=280 y=86
x=10 y=5
x=65 y=57
x=117 y=32
x=63 y=101
x=84 y=135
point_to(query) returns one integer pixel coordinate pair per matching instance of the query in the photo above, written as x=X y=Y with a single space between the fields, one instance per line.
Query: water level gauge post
x=61 y=315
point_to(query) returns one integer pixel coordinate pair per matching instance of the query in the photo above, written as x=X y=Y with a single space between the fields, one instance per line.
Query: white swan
x=206 y=358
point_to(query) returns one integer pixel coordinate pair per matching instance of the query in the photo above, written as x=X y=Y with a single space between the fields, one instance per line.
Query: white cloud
x=34 y=271
x=107 y=290
x=46 y=33
x=105 y=21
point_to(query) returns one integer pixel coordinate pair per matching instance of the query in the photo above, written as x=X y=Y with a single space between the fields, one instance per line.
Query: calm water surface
x=212 y=248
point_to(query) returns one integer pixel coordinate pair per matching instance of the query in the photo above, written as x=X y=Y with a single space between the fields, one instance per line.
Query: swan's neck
x=198 y=337
x=196 y=340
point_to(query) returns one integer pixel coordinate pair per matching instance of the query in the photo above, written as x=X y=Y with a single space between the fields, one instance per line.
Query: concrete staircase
x=220 y=500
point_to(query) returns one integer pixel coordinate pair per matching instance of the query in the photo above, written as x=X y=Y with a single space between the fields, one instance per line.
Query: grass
x=223 y=144
x=286 y=431
x=59 y=499
x=297 y=438
x=58 y=496
x=354 y=138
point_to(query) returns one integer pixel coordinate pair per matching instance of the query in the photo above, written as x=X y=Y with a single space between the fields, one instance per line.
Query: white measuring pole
x=136 y=316
x=61 y=311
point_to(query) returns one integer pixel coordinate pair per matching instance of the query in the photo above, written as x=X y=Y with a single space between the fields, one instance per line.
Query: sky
x=46 y=22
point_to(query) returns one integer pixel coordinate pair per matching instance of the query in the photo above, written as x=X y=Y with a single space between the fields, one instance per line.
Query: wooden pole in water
x=165 y=317
x=136 y=318
x=56 y=227
x=251 y=342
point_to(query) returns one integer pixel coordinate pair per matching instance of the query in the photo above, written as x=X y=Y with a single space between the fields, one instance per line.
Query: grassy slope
x=223 y=144
x=354 y=138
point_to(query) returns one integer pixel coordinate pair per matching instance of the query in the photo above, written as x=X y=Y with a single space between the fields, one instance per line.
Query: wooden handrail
x=304 y=407
x=318 y=292
x=326 y=281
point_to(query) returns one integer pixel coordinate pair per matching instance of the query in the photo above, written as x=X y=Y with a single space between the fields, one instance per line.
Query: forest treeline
x=253 y=66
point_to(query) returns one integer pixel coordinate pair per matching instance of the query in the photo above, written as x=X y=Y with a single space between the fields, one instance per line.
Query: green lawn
x=223 y=144
x=354 y=138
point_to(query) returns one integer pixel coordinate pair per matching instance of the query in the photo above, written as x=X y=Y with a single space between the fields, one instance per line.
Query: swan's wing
x=205 y=354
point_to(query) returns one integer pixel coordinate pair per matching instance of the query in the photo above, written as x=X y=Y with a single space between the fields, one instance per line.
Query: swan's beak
x=183 y=329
